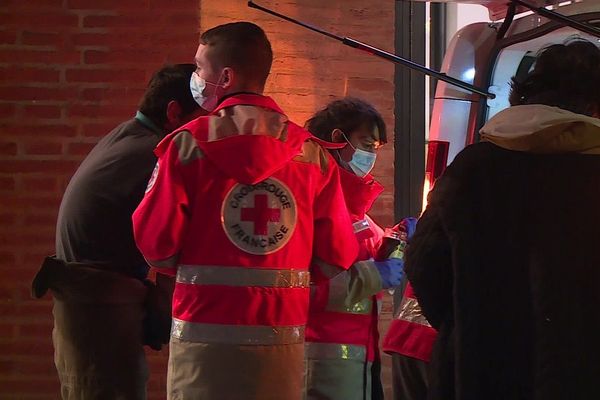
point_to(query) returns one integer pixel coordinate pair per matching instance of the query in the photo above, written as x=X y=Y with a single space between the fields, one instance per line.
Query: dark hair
x=242 y=46
x=347 y=114
x=565 y=76
x=171 y=82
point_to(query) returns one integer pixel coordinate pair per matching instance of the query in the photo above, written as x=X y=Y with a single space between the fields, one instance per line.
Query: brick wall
x=70 y=70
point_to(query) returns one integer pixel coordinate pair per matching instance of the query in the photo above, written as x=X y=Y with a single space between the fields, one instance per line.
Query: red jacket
x=337 y=325
x=240 y=203
x=409 y=333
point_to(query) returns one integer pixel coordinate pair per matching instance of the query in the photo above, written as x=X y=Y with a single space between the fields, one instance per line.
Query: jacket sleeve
x=364 y=282
x=429 y=256
x=160 y=221
x=335 y=246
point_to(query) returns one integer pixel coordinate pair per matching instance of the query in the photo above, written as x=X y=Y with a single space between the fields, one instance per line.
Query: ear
x=227 y=78
x=173 y=114
x=337 y=136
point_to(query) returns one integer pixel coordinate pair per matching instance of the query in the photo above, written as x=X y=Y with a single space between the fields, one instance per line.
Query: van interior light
x=468 y=75
x=437 y=158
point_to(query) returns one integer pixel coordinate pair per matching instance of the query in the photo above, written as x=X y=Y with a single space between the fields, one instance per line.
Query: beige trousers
x=200 y=371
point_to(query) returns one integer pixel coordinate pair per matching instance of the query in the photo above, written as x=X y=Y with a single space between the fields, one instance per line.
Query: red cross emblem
x=261 y=214
x=260 y=218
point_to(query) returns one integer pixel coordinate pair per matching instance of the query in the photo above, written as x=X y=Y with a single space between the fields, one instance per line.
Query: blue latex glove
x=391 y=272
x=410 y=224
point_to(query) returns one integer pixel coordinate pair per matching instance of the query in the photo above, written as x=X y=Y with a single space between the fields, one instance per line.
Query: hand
x=410 y=225
x=391 y=272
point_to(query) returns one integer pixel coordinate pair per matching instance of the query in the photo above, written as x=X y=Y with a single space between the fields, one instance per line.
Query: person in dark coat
x=504 y=261
x=105 y=308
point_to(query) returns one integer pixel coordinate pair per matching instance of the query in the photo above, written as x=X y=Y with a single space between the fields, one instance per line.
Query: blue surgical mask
x=362 y=161
x=197 y=86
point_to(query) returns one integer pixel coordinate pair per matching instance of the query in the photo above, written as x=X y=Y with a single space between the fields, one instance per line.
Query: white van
x=487 y=55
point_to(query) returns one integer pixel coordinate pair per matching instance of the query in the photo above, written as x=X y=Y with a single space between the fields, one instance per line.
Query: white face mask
x=362 y=161
x=197 y=86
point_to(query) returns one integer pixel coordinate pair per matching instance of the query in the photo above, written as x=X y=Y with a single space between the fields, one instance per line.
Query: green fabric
x=147 y=122
x=338 y=380
x=364 y=282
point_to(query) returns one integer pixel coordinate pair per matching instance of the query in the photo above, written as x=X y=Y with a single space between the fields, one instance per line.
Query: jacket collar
x=253 y=99
x=359 y=193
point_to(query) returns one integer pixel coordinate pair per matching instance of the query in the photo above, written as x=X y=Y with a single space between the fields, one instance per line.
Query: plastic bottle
x=392 y=246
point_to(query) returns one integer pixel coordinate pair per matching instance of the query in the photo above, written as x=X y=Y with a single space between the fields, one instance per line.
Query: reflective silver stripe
x=410 y=311
x=242 y=276
x=361 y=225
x=338 y=297
x=334 y=351
x=236 y=334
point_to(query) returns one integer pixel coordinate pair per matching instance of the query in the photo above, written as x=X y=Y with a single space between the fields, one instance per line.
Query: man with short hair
x=504 y=261
x=104 y=308
x=243 y=202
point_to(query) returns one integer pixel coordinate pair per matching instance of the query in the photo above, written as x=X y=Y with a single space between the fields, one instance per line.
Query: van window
x=518 y=59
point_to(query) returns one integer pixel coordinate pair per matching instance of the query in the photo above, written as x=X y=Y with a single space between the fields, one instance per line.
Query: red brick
x=41 y=38
x=22 y=238
x=34 y=308
x=8 y=259
x=139 y=21
x=25 y=166
x=48 y=221
x=37 y=93
x=7 y=183
x=42 y=56
x=94 y=75
x=41 y=148
x=38 y=184
x=33 y=366
x=34 y=5
x=31 y=384
x=37 y=130
x=7 y=110
x=26 y=347
x=27 y=74
x=42 y=111
x=7 y=367
x=99 y=111
x=190 y=5
x=20 y=204
x=124 y=94
x=8 y=148
x=7 y=218
x=128 y=56
x=34 y=330
x=38 y=20
x=8 y=37
x=93 y=39
x=100 y=4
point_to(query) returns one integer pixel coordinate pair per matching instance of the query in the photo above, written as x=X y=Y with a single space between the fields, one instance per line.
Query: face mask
x=197 y=86
x=362 y=161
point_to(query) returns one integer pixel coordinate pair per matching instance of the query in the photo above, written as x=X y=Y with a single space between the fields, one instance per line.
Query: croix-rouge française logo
x=261 y=218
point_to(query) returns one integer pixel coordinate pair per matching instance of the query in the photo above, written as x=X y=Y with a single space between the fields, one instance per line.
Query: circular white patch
x=259 y=219
x=153 y=177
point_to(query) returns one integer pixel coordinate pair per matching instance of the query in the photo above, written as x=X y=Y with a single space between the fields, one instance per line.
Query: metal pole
x=380 y=53
x=563 y=19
